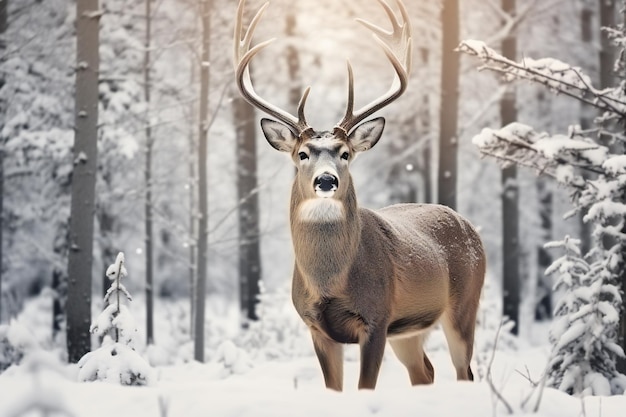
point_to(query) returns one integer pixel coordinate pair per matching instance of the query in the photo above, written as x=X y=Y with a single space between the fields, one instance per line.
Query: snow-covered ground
x=295 y=388
x=244 y=381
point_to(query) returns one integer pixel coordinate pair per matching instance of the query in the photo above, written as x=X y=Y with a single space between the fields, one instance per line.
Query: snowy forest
x=146 y=257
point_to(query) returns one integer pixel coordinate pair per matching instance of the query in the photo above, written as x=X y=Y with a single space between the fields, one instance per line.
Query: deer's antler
x=395 y=43
x=243 y=54
x=397 y=46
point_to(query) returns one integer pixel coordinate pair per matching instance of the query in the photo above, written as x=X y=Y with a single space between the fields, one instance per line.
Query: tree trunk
x=59 y=277
x=543 y=306
x=82 y=207
x=293 y=62
x=106 y=221
x=3 y=106
x=148 y=191
x=587 y=115
x=424 y=129
x=448 y=117
x=203 y=237
x=193 y=211
x=248 y=211
x=510 y=197
x=607 y=50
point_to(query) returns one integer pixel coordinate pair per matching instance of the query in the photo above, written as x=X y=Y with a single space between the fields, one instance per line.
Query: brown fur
x=363 y=276
x=402 y=268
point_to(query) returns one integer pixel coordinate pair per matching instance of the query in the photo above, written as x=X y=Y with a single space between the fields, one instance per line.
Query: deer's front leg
x=372 y=350
x=330 y=355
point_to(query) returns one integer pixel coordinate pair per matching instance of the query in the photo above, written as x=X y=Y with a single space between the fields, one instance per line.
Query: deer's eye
x=345 y=156
x=303 y=156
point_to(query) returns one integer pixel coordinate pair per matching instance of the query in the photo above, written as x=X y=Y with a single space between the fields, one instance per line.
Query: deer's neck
x=325 y=234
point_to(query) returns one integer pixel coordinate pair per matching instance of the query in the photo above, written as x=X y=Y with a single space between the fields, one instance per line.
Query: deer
x=366 y=276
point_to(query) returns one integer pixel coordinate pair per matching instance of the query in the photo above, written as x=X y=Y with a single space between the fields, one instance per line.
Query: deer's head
x=323 y=157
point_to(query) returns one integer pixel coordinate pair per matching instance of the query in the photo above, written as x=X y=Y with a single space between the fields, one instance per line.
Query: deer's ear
x=278 y=135
x=366 y=135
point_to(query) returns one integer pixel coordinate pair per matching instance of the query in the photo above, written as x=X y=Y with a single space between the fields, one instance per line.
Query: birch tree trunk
x=82 y=207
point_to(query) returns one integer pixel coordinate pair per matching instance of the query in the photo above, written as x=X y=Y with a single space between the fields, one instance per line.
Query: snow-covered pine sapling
x=567 y=365
x=116 y=360
x=584 y=329
x=115 y=309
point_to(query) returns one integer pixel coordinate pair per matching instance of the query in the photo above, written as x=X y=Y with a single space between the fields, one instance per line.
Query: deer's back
x=437 y=255
x=452 y=235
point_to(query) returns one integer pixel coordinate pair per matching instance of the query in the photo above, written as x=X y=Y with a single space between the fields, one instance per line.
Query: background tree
x=510 y=196
x=83 y=180
x=293 y=59
x=148 y=180
x=3 y=47
x=448 y=116
x=203 y=223
x=424 y=130
x=248 y=209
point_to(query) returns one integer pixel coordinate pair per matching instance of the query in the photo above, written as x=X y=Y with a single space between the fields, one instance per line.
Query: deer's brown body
x=364 y=276
x=392 y=273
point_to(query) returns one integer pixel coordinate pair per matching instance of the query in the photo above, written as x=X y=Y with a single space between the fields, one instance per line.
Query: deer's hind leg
x=410 y=352
x=459 y=333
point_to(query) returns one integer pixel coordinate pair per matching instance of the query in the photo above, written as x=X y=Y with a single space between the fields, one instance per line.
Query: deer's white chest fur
x=321 y=210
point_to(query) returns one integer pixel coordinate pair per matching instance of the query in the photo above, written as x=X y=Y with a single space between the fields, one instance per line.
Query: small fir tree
x=583 y=332
x=116 y=360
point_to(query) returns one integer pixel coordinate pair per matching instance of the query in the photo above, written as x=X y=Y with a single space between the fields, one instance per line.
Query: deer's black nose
x=326 y=182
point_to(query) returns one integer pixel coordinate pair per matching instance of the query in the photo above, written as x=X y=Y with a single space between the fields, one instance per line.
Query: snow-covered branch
x=554 y=155
x=556 y=75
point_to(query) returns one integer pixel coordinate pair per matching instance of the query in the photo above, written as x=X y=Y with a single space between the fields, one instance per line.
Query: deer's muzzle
x=326 y=184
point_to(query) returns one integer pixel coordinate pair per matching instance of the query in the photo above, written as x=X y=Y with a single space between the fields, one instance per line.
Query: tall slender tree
x=193 y=209
x=424 y=129
x=248 y=210
x=82 y=208
x=203 y=204
x=3 y=46
x=543 y=305
x=587 y=113
x=448 y=116
x=148 y=182
x=510 y=196
x=293 y=60
x=607 y=59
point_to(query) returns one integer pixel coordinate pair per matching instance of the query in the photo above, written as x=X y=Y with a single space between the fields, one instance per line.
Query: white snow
x=115 y=363
x=241 y=379
x=553 y=146
x=295 y=387
x=551 y=72
x=606 y=208
x=615 y=165
x=510 y=133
